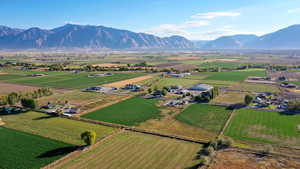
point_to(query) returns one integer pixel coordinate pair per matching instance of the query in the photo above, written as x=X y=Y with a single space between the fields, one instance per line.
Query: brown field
x=6 y=88
x=236 y=160
x=230 y=98
x=183 y=58
x=2 y=73
x=129 y=81
x=221 y=60
x=106 y=65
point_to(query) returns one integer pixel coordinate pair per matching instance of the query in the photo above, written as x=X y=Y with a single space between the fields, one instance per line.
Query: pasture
x=167 y=82
x=264 y=126
x=65 y=79
x=56 y=128
x=230 y=98
x=27 y=151
x=252 y=87
x=129 y=112
x=209 y=117
x=130 y=150
x=235 y=76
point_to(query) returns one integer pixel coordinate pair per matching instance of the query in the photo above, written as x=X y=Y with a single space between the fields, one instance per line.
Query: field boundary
x=226 y=124
x=127 y=128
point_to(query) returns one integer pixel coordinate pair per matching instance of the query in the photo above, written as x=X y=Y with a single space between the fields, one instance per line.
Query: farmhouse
x=100 y=89
x=38 y=75
x=100 y=75
x=132 y=87
x=201 y=87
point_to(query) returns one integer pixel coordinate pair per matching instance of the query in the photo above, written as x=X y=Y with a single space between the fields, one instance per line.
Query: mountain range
x=287 y=38
x=86 y=36
x=99 y=37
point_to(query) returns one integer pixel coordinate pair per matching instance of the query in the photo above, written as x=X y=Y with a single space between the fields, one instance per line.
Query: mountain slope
x=287 y=38
x=230 y=42
x=86 y=36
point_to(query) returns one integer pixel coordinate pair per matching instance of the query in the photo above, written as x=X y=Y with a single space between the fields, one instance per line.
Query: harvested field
x=21 y=150
x=167 y=82
x=230 y=98
x=129 y=81
x=2 y=73
x=6 y=88
x=56 y=128
x=240 y=160
x=107 y=65
x=130 y=150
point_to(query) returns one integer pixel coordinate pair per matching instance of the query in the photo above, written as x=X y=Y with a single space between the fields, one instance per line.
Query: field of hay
x=137 y=151
x=56 y=128
x=208 y=117
x=235 y=76
x=65 y=79
x=129 y=112
x=27 y=151
x=6 y=88
x=128 y=81
x=264 y=126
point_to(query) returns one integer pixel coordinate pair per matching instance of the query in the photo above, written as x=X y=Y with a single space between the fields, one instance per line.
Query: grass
x=252 y=87
x=56 y=128
x=228 y=65
x=167 y=82
x=264 y=126
x=209 y=117
x=129 y=112
x=235 y=76
x=65 y=79
x=27 y=151
x=136 y=151
x=230 y=98
x=295 y=82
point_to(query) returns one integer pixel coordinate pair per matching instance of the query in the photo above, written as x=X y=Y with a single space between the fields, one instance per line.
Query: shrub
x=209 y=150
x=248 y=99
x=28 y=103
x=89 y=137
x=204 y=160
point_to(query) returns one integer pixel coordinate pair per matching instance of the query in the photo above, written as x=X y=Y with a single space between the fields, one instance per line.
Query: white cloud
x=168 y=30
x=294 y=10
x=196 y=23
x=212 y=15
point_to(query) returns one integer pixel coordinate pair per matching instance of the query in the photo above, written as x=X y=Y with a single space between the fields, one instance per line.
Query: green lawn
x=233 y=76
x=129 y=112
x=57 y=128
x=65 y=79
x=131 y=150
x=21 y=150
x=264 y=126
x=209 y=117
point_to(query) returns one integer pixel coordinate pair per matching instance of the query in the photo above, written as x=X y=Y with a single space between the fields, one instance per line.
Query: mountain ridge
x=86 y=36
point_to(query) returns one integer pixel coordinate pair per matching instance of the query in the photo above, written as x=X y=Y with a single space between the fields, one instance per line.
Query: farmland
x=230 y=98
x=264 y=126
x=27 y=151
x=61 y=129
x=136 y=151
x=129 y=112
x=251 y=87
x=209 y=117
x=66 y=79
x=233 y=76
x=167 y=82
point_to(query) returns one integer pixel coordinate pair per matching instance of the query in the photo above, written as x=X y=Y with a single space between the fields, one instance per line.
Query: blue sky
x=194 y=19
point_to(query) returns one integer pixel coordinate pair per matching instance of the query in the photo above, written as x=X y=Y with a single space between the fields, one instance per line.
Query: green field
x=253 y=87
x=21 y=150
x=209 y=117
x=167 y=82
x=57 y=128
x=65 y=79
x=129 y=112
x=233 y=76
x=227 y=65
x=137 y=151
x=264 y=126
